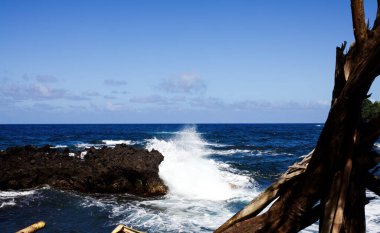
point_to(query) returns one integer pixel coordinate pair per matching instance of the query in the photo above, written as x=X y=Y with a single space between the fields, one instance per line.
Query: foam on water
x=88 y=145
x=108 y=143
x=372 y=213
x=12 y=194
x=116 y=142
x=376 y=147
x=8 y=198
x=58 y=146
x=228 y=152
x=201 y=194
x=186 y=169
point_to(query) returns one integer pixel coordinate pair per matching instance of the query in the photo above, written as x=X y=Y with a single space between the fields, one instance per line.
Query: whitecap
x=58 y=146
x=116 y=142
x=82 y=154
x=188 y=171
x=88 y=145
x=7 y=203
x=229 y=152
x=9 y=194
x=8 y=198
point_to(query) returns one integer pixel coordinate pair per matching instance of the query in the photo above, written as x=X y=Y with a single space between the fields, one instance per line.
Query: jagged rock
x=123 y=169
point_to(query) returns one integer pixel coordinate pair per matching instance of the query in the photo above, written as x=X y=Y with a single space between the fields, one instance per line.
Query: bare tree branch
x=270 y=194
x=358 y=20
x=377 y=20
x=340 y=79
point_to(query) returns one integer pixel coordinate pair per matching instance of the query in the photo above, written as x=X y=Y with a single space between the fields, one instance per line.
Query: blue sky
x=197 y=61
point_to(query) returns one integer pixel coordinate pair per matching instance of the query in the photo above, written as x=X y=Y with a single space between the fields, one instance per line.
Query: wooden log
x=269 y=195
x=33 y=228
x=124 y=229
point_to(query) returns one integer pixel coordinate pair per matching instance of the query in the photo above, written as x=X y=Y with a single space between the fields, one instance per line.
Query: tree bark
x=331 y=187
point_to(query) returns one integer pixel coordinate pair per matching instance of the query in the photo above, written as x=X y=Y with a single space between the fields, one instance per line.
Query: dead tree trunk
x=330 y=183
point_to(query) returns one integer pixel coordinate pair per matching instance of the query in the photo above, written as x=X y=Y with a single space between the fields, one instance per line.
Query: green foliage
x=370 y=110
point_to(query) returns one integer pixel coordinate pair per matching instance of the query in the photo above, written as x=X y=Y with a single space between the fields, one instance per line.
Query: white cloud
x=110 y=97
x=114 y=107
x=36 y=92
x=91 y=93
x=113 y=82
x=43 y=91
x=46 y=78
x=152 y=99
x=186 y=83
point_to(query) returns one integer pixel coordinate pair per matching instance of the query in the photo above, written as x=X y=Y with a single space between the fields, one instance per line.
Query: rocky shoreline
x=122 y=169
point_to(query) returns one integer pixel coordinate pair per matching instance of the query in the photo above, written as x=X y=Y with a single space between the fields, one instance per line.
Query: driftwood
x=124 y=229
x=329 y=184
x=269 y=195
x=33 y=228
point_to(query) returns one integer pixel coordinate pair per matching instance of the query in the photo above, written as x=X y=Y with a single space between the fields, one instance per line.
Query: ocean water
x=212 y=171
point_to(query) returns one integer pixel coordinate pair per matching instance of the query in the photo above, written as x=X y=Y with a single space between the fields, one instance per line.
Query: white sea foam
x=109 y=143
x=11 y=194
x=7 y=203
x=176 y=132
x=228 y=152
x=372 y=213
x=376 y=147
x=88 y=145
x=186 y=169
x=58 y=146
x=116 y=142
x=82 y=154
x=201 y=191
x=8 y=198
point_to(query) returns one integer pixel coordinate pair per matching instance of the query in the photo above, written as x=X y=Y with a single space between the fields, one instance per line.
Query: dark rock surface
x=123 y=169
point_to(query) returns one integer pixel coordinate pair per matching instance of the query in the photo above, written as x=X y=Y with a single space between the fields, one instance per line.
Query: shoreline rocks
x=122 y=169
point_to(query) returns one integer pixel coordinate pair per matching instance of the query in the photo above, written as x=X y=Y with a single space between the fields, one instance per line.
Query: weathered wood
x=269 y=195
x=124 y=229
x=341 y=203
x=377 y=20
x=333 y=179
x=358 y=19
x=33 y=228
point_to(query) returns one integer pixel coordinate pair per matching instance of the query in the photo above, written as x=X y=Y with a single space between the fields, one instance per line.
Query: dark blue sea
x=212 y=171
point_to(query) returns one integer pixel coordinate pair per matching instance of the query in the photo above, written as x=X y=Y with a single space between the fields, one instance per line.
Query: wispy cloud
x=46 y=78
x=110 y=97
x=91 y=93
x=45 y=107
x=213 y=103
x=42 y=91
x=76 y=97
x=208 y=103
x=37 y=92
x=186 y=83
x=114 y=107
x=152 y=99
x=113 y=82
x=77 y=107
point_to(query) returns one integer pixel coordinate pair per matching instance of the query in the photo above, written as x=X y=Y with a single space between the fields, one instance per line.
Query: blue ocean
x=212 y=171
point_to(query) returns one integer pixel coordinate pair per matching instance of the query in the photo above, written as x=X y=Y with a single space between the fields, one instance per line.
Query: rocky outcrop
x=123 y=169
